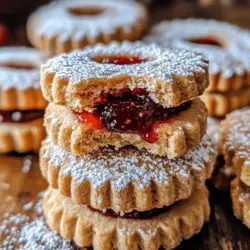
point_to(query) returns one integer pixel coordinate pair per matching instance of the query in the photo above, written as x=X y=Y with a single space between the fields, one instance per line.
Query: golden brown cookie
x=19 y=79
x=224 y=45
x=21 y=137
x=66 y=25
x=220 y=104
x=235 y=143
x=83 y=79
x=240 y=194
x=126 y=179
x=91 y=228
x=174 y=138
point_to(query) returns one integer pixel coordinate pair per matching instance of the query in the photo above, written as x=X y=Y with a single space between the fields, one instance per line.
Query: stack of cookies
x=226 y=47
x=126 y=156
x=235 y=144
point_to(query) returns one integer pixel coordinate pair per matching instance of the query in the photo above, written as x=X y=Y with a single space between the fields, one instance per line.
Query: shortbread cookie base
x=126 y=179
x=52 y=41
x=219 y=104
x=171 y=77
x=240 y=194
x=175 y=138
x=21 y=137
x=22 y=99
x=88 y=228
x=234 y=142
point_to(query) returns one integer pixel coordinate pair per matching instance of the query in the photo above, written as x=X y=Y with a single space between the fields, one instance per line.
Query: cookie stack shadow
x=127 y=154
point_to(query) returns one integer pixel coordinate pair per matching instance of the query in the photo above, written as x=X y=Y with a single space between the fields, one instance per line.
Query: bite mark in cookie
x=86 y=133
x=127 y=111
x=78 y=79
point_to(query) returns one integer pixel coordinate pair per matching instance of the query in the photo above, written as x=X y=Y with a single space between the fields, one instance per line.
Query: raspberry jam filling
x=127 y=111
x=20 y=116
x=119 y=59
x=206 y=41
x=146 y=215
x=86 y=10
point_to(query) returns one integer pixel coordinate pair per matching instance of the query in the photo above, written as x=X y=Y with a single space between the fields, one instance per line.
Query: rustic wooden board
x=21 y=181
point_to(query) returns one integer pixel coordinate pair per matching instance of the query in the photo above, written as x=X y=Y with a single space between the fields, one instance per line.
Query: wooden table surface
x=21 y=182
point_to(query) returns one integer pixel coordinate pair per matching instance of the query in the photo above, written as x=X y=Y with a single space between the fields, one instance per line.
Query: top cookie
x=226 y=46
x=235 y=143
x=19 y=79
x=81 y=79
x=65 y=25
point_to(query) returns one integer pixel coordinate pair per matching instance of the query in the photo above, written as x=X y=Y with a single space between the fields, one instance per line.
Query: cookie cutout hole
x=119 y=59
x=18 y=66
x=206 y=41
x=86 y=11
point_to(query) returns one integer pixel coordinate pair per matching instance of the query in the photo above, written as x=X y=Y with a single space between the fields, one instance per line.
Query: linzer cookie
x=21 y=100
x=83 y=79
x=126 y=94
x=240 y=194
x=228 y=52
x=106 y=230
x=66 y=25
x=223 y=44
x=126 y=179
x=19 y=79
x=182 y=128
x=235 y=138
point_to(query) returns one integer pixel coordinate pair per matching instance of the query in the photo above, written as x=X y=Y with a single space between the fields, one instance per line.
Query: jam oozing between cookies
x=20 y=116
x=145 y=215
x=206 y=41
x=130 y=111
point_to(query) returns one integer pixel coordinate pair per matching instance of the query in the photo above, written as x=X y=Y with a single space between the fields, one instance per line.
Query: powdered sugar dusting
x=161 y=64
x=120 y=167
x=33 y=235
x=20 y=78
x=232 y=57
x=55 y=19
x=20 y=231
x=244 y=196
x=237 y=138
x=213 y=130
